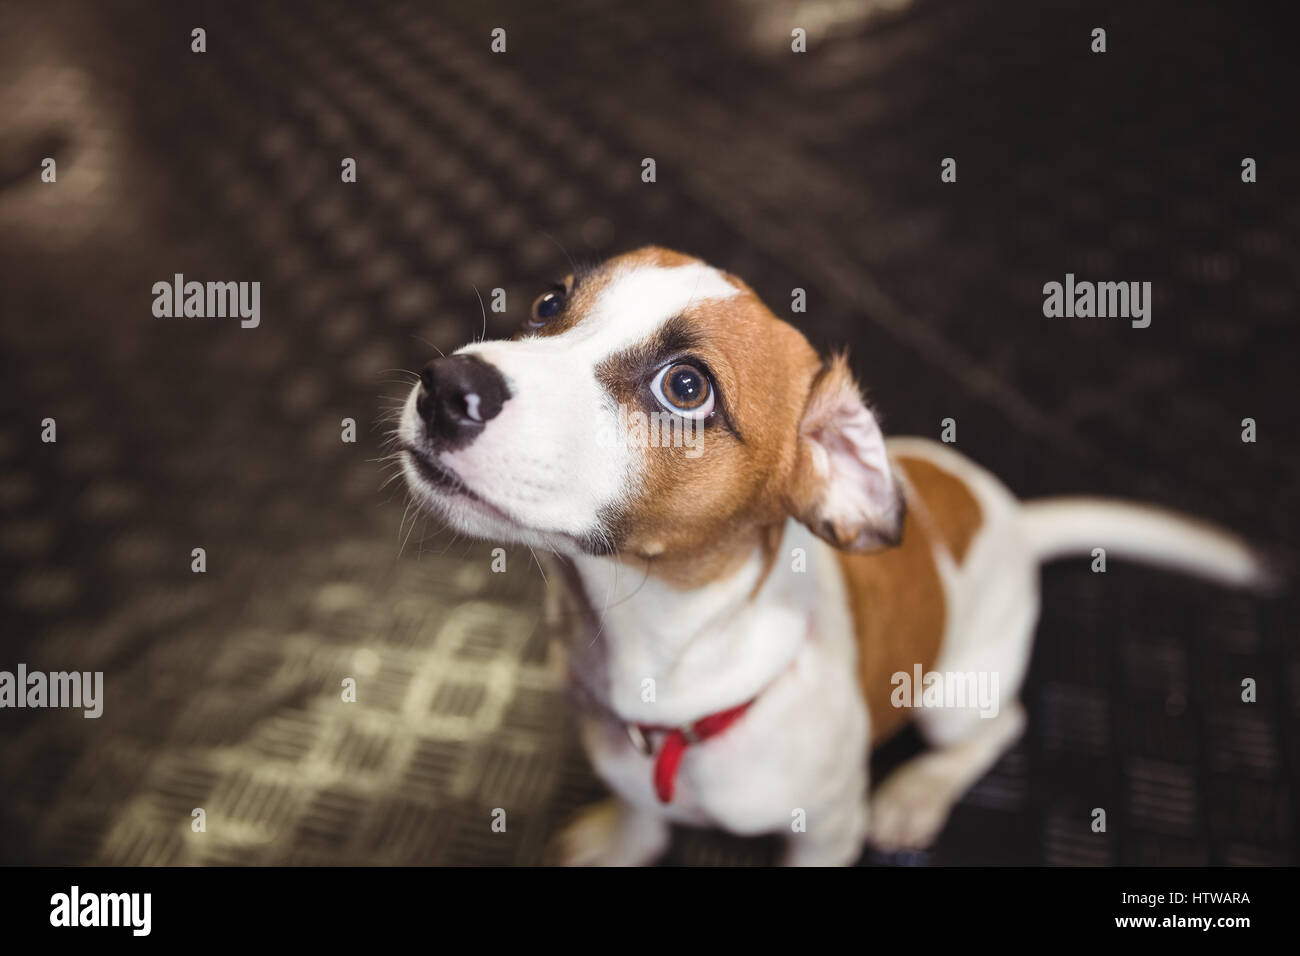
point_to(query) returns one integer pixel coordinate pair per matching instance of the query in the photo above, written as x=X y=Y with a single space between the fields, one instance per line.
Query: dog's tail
x=1058 y=527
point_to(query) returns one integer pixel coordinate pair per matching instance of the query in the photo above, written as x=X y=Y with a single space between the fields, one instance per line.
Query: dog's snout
x=458 y=396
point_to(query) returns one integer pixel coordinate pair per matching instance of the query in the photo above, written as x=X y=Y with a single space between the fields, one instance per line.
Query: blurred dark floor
x=818 y=171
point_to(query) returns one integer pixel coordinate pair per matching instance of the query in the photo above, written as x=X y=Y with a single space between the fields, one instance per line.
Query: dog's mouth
x=447 y=484
x=442 y=479
x=436 y=474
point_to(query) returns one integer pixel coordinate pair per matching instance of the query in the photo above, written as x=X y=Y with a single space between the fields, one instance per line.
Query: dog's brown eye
x=548 y=306
x=685 y=386
x=684 y=389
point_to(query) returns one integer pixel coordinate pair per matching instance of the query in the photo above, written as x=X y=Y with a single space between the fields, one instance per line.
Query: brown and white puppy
x=761 y=576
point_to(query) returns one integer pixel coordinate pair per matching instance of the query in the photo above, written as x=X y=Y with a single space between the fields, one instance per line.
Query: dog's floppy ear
x=842 y=486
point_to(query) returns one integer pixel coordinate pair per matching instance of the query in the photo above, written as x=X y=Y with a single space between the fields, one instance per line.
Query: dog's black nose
x=458 y=396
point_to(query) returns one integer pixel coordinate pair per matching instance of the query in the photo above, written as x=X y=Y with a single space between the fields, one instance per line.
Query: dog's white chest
x=761 y=773
x=789 y=649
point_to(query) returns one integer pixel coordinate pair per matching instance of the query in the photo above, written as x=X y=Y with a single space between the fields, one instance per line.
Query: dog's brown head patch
x=788 y=435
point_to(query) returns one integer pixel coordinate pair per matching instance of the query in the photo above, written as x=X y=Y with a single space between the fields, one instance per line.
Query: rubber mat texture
x=479 y=171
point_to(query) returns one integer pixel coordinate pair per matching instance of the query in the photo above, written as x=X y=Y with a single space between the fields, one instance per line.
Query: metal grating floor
x=474 y=170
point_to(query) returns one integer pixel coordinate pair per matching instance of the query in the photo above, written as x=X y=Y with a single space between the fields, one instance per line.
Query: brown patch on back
x=896 y=596
x=899 y=613
x=951 y=507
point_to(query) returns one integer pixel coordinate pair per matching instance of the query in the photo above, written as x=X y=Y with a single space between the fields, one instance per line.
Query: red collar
x=678 y=739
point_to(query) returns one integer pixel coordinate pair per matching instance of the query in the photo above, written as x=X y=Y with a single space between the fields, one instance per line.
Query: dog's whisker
x=573 y=266
x=415 y=519
x=644 y=578
x=421 y=338
x=456 y=536
x=540 y=569
x=608 y=543
x=410 y=500
x=484 y=311
x=419 y=544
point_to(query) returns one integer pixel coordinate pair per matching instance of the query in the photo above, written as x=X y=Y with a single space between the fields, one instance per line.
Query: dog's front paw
x=908 y=811
x=610 y=833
